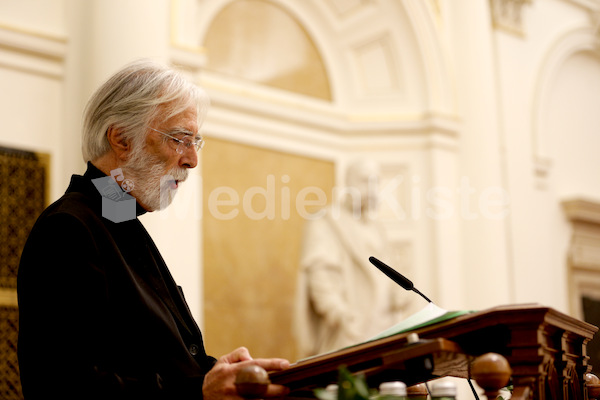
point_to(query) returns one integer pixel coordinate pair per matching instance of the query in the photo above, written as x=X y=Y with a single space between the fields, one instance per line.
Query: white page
x=428 y=313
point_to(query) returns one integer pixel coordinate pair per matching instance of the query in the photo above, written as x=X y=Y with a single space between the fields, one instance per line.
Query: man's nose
x=189 y=158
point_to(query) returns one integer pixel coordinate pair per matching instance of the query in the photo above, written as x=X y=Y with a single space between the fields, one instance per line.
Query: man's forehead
x=185 y=121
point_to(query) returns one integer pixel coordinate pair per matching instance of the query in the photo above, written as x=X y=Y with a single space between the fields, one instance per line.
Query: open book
x=429 y=315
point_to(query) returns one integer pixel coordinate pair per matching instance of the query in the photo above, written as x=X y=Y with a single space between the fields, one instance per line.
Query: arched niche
x=381 y=59
x=246 y=40
x=558 y=121
x=574 y=119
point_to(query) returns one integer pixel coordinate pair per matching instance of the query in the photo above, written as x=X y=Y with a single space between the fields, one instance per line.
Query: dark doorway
x=591 y=314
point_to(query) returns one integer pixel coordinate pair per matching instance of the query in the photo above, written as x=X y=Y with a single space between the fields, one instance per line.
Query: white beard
x=151 y=184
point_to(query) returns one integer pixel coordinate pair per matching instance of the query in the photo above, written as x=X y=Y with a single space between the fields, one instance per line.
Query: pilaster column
x=482 y=190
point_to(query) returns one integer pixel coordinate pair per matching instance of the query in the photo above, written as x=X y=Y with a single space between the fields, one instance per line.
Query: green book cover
x=429 y=315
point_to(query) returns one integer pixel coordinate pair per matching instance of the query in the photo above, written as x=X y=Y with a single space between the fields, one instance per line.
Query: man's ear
x=117 y=142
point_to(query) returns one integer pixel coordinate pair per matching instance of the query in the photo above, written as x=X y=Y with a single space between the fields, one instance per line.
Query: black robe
x=100 y=315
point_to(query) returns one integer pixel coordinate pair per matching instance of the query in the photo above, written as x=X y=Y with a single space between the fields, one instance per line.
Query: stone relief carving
x=507 y=15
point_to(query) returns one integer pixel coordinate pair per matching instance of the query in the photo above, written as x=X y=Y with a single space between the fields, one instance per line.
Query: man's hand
x=219 y=382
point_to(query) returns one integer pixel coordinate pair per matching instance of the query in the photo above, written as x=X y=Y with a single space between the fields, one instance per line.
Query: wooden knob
x=417 y=392
x=593 y=385
x=492 y=372
x=252 y=381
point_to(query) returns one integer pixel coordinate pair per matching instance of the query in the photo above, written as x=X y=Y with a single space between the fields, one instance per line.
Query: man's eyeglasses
x=180 y=145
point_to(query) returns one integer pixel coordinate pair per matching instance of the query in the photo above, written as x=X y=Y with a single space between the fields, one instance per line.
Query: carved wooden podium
x=546 y=350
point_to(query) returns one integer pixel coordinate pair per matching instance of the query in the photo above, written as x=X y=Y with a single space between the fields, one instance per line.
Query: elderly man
x=100 y=315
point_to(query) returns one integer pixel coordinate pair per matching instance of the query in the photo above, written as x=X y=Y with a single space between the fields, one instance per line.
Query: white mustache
x=176 y=174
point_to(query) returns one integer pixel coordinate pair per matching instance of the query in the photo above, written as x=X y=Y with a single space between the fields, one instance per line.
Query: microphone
x=397 y=277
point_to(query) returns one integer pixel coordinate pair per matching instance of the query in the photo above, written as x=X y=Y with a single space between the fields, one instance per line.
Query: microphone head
x=392 y=274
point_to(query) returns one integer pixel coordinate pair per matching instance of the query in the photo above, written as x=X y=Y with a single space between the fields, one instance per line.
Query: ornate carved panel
x=507 y=15
x=22 y=199
x=584 y=250
x=10 y=386
x=377 y=54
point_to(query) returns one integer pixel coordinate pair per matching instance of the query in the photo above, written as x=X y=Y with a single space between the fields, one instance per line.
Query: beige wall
x=252 y=244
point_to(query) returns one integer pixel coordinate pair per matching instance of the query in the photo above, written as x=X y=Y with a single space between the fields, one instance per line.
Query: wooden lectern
x=546 y=351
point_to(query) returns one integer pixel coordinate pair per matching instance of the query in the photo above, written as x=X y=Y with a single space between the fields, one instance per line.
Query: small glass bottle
x=332 y=391
x=395 y=390
x=443 y=390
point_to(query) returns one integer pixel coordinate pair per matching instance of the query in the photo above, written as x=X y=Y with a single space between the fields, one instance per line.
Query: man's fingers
x=271 y=364
x=277 y=391
x=238 y=355
x=267 y=364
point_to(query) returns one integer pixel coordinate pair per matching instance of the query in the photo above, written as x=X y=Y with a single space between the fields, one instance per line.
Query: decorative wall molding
x=595 y=23
x=507 y=15
x=584 y=250
x=347 y=7
x=586 y=4
x=582 y=210
x=296 y=122
x=32 y=52
x=191 y=60
x=377 y=51
x=280 y=105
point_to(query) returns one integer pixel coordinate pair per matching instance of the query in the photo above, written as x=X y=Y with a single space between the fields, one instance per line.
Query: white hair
x=129 y=101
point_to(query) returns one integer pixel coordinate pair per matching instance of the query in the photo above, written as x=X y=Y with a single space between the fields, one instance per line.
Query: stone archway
x=388 y=79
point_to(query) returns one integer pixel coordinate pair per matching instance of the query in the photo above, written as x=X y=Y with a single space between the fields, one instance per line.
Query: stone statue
x=342 y=299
